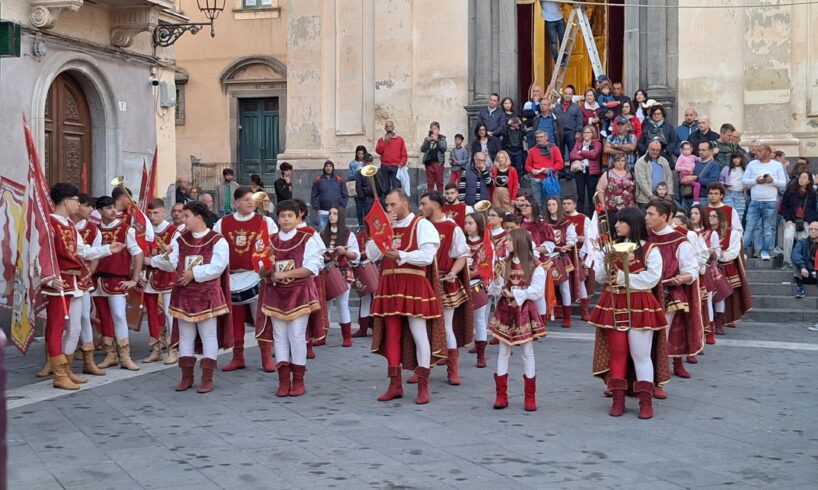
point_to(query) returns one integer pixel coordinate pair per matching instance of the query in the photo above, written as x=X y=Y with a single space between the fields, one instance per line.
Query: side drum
x=366 y=278
x=336 y=285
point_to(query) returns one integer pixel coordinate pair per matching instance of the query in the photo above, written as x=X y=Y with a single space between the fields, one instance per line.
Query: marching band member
x=406 y=297
x=113 y=284
x=581 y=224
x=242 y=230
x=453 y=208
x=158 y=282
x=680 y=290
x=318 y=324
x=65 y=292
x=90 y=236
x=458 y=315
x=564 y=242
x=201 y=296
x=475 y=238
x=290 y=295
x=708 y=251
x=731 y=262
x=516 y=320
x=627 y=316
x=364 y=318
x=715 y=200
x=342 y=248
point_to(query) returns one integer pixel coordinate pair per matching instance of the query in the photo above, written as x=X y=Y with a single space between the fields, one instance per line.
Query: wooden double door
x=67 y=133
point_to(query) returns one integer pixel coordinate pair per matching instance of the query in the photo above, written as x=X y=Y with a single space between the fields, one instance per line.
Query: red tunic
x=114 y=269
x=457 y=212
x=342 y=262
x=65 y=246
x=89 y=234
x=477 y=254
x=404 y=290
x=241 y=236
x=454 y=294
x=512 y=323
x=198 y=300
x=741 y=301
x=296 y=297
x=727 y=212
x=499 y=242
x=162 y=281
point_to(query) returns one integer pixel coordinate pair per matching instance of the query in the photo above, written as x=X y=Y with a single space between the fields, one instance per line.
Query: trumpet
x=611 y=253
x=482 y=206
x=369 y=171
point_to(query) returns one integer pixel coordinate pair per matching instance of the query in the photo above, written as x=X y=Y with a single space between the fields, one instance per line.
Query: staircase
x=773 y=295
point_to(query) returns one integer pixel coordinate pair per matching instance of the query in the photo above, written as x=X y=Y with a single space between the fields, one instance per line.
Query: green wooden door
x=258 y=139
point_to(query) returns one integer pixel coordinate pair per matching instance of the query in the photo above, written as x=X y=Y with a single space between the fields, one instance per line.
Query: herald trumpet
x=482 y=206
x=611 y=253
x=369 y=171
x=119 y=181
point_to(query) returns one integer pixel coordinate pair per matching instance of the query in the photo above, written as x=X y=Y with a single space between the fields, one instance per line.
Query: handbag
x=551 y=185
x=352 y=191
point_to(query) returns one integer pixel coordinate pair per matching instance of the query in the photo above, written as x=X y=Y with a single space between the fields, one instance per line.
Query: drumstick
x=64 y=304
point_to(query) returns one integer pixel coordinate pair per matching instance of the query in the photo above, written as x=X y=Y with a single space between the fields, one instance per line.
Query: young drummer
x=475 y=238
x=290 y=295
x=90 y=235
x=564 y=241
x=65 y=292
x=626 y=350
x=364 y=318
x=318 y=324
x=516 y=320
x=342 y=248
x=242 y=230
x=116 y=275
x=201 y=296
x=158 y=282
x=581 y=223
x=732 y=308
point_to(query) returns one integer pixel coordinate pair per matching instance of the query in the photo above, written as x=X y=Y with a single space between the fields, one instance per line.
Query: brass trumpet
x=119 y=181
x=611 y=252
x=482 y=206
x=369 y=171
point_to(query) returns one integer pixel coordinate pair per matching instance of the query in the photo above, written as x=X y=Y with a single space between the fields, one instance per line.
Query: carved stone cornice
x=127 y=22
x=44 y=13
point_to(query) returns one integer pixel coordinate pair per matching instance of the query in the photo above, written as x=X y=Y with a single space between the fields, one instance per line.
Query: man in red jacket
x=542 y=158
x=392 y=151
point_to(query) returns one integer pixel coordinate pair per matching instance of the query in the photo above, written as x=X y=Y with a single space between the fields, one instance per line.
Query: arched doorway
x=67 y=132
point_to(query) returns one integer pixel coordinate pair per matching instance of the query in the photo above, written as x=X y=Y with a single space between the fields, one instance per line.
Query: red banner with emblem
x=380 y=230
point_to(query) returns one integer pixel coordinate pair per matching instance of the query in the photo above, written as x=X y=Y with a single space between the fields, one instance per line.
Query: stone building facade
x=83 y=81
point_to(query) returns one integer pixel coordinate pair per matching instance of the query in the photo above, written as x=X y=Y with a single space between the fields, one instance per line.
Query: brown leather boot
x=346 y=334
x=395 y=389
x=125 y=361
x=423 y=385
x=73 y=377
x=238 y=356
x=451 y=367
x=284 y=381
x=617 y=387
x=363 y=326
x=207 y=365
x=297 y=388
x=111 y=358
x=481 y=353
x=46 y=370
x=644 y=389
x=186 y=364
x=173 y=356
x=156 y=351
x=59 y=366
x=88 y=364
x=267 y=362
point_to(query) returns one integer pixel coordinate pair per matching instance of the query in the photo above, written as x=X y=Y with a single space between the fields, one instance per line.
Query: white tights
x=290 y=340
x=640 y=343
x=86 y=329
x=208 y=331
x=583 y=292
x=480 y=316
x=719 y=306
x=542 y=308
x=366 y=303
x=118 y=304
x=168 y=318
x=420 y=335
x=565 y=293
x=710 y=306
x=342 y=303
x=72 y=333
x=448 y=316
x=528 y=359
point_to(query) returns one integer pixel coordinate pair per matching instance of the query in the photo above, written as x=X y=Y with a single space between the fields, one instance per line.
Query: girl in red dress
x=564 y=238
x=342 y=248
x=478 y=248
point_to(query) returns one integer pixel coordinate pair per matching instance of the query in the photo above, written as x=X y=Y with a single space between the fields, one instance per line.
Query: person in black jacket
x=284 y=185
x=328 y=191
x=485 y=143
x=798 y=208
x=803 y=262
x=657 y=127
x=363 y=187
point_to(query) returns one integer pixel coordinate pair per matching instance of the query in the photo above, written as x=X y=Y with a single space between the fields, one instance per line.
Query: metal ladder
x=577 y=20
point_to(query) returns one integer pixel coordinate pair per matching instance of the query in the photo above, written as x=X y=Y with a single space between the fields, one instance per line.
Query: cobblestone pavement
x=745 y=419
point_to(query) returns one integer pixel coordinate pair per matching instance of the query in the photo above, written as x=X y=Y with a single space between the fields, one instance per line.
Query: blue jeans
x=737 y=201
x=323 y=219
x=556 y=31
x=569 y=139
x=537 y=194
x=360 y=210
x=761 y=213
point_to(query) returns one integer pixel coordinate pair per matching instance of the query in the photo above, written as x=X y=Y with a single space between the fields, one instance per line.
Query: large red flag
x=380 y=230
x=486 y=256
x=37 y=260
x=150 y=193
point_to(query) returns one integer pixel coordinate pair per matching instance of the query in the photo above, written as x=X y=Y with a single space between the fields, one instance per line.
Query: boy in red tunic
x=452 y=256
x=407 y=290
x=200 y=300
x=116 y=275
x=318 y=324
x=65 y=292
x=242 y=230
x=290 y=295
x=158 y=282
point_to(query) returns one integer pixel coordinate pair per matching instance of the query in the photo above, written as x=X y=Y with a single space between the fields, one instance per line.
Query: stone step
x=786 y=302
x=757 y=276
x=782 y=316
x=775 y=262
x=772 y=288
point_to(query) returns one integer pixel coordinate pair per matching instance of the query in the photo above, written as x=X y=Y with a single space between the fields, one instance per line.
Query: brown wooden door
x=67 y=132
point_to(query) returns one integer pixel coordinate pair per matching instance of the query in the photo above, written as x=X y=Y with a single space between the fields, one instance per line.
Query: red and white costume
x=89 y=233
x=71 y=251
x=345 y=265
x=453 y=247
x=457 y=212
x=731 y=216
x=582 y=283
x=159 y=282
x=561 y=235
x=731 y=262
x=110 y=299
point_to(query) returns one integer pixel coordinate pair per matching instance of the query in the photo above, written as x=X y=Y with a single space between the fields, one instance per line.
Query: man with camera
x=434 y=154
x=765 y=177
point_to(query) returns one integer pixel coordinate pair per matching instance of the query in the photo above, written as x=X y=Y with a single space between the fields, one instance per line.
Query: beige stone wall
x=356 y=63
x=755 y=68
x=207 y=131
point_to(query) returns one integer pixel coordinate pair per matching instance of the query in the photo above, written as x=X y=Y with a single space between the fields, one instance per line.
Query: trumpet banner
x=11 y=213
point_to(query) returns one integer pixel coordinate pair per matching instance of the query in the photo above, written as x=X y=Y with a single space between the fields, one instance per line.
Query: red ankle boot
x=481 y=353
x=710 y=337
x=207 y=366
x=363 y=326
x=679 y=368
x=423 y=385
x=692 y=360
x=617 y=387
x=451 y=367
x=501 y=388
x=566 y=317
x=719 y=321
x=659 y=393
x=297 y=388
x=267 y=362
x=310 y=351
x=186 y=364
x=395 y=389
x=346 y=333
x=284 y=382
x=530 y=393
x=645 y=391
x=238 y=356
x=584 y=314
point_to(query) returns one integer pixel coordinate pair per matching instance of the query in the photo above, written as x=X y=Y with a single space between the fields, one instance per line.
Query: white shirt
x=201 y=273
x=351 y=246
x=551 y=11
x=688 y=263
x=642 y=281
x=313 y=253
x=241 y=280
x=534 y=291
x=733 y=248
x=130 y=237
x=428 y=242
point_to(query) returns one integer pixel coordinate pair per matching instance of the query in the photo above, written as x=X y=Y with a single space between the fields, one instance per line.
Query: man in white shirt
x=765 y=177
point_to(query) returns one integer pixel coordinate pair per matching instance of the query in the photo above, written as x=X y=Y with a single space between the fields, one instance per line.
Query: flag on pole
x=380 y=230
x=36 y=260
x=485 y=268
x=149 y=181
x=11 y=213
x=144 y=185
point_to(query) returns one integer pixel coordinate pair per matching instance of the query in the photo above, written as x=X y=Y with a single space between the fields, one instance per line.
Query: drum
x=366 y=278
x=557 y=269
x=244 y=287
x=722 y=288
x=478 y=293
x=335 y=283
x=675 y=300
